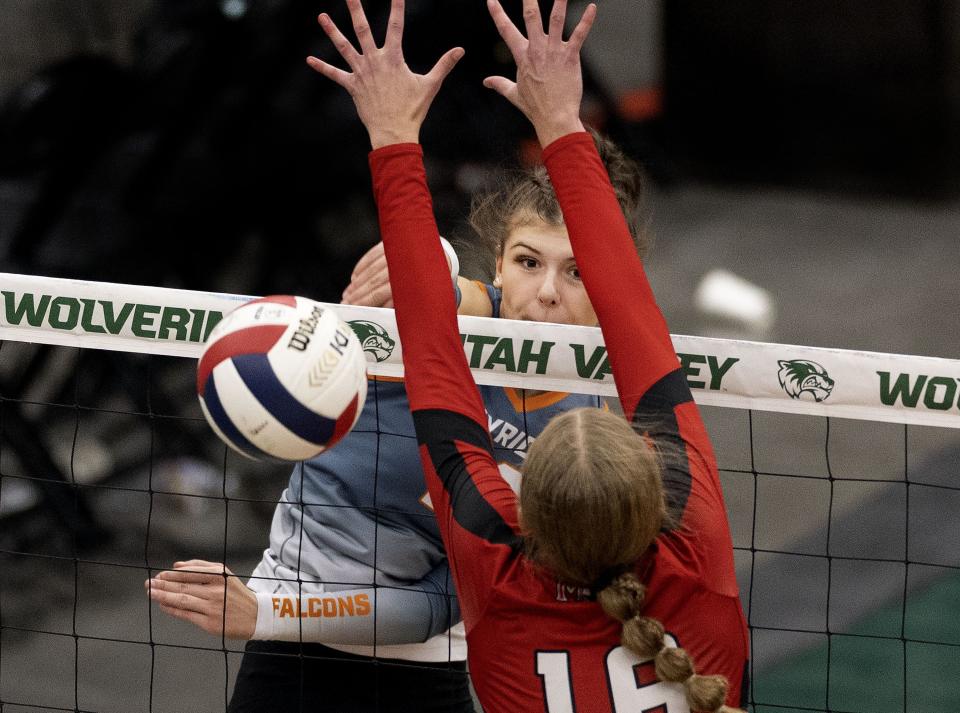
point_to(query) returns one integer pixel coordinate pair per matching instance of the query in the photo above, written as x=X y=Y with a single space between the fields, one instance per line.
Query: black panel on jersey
x=670 y=391
x=655 y=415
x=437 y=430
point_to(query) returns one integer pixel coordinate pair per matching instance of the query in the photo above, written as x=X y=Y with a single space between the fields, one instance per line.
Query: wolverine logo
x=799 y=375
x=373 y=338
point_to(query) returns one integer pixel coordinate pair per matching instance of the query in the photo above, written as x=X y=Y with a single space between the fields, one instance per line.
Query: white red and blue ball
x=282 y=377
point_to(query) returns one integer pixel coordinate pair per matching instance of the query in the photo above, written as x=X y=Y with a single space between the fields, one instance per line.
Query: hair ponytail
x=622 y=599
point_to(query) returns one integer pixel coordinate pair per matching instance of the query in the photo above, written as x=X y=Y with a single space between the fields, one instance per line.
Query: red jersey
x=535 y=645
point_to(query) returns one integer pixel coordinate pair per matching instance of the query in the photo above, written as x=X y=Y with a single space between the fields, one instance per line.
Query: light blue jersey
x=358 y=516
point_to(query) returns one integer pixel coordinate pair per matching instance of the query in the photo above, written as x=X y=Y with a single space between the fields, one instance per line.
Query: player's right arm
x=475 y=507
x=392 y=102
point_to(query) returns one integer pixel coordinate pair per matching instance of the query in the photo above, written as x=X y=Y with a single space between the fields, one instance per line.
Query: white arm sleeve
x=370 y=616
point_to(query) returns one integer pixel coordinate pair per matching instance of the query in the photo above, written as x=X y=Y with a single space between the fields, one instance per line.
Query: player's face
x=540 y=278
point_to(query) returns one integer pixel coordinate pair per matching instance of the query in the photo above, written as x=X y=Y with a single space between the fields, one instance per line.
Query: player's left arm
x=367 y=616
x=210 y=596
x=652 y=388
x=475 y=507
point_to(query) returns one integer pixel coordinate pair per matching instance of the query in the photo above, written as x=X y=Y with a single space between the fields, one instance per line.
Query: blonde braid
x=621 y=599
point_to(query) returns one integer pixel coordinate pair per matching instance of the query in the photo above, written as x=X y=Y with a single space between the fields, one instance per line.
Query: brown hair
x=591 y=503
x=589 y=467
x=527 y=194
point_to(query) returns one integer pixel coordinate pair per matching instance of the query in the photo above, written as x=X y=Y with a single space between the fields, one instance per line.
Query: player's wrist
x=550 y=131
x=380 y=137
x=264 y=629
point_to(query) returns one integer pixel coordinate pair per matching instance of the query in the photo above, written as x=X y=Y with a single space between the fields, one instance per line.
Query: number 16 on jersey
x=629 y=693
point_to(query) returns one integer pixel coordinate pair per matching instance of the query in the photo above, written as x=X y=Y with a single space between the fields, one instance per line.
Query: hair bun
x=673 y=664
x=706 y=693
x=621 y=597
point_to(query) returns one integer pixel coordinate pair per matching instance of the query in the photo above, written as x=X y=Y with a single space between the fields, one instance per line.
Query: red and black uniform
x=535 y=645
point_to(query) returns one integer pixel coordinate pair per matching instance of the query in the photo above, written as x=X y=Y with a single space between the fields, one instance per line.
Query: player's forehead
x=534 y=234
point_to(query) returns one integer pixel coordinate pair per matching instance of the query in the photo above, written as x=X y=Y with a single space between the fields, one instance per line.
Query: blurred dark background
x=185 y=143
x=859 y=95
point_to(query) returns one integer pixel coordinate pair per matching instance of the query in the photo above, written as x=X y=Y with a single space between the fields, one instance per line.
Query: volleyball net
x=839 y=470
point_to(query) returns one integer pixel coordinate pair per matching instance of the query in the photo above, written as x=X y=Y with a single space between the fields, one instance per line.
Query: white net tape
x=721 y=372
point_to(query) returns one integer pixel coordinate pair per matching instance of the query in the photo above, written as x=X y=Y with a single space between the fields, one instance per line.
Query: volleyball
x=282 y=377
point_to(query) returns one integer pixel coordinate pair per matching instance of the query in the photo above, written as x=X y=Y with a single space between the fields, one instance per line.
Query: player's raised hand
x=392 y=100
x=549 y=84
x=208 y=595
x=370 y=282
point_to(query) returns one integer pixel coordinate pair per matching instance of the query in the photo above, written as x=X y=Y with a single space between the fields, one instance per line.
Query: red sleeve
x=651 y=386
x=435 y=368
x=476 y=509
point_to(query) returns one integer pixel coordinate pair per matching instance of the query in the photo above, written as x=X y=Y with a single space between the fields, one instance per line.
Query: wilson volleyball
x=282 y=377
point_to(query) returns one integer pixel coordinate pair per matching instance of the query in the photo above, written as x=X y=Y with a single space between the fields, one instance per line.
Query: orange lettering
x=286 y=608
x=346 y=606
x=315 y=607
x=329 y=607
x=363 y=604
x=276 y=604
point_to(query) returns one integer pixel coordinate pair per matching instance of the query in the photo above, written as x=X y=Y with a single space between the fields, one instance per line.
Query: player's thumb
x=445 y=64
x=502 y=86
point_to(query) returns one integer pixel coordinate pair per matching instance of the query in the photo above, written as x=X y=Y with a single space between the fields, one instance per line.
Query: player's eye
x=575 y=273
x=527 y=262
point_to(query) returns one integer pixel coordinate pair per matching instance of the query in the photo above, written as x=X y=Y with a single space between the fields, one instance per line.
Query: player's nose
x=549 y=294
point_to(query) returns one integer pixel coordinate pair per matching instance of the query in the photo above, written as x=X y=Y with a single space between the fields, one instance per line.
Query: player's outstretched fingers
x=339 y=40
x=394 y=25
x=533 y=23
x=509 y=33
x=580 y=32
x=558 y=16
x=361 y=26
